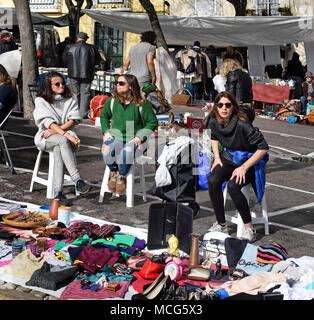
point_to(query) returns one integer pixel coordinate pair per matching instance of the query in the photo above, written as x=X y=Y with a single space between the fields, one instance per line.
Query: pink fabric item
x=74 y=291
x=4 y=263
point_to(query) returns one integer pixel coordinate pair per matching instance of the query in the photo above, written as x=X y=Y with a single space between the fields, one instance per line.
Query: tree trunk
x=153 y=18
x=239 y=6
x=29 y=57
x=75 y=14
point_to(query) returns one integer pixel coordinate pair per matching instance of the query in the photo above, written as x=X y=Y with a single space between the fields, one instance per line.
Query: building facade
x=115 y=43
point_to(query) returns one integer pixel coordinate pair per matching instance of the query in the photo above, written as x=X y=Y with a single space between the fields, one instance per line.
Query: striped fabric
x=271 y=253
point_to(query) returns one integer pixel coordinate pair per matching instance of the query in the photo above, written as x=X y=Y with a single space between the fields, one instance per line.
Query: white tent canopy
x=218 y=31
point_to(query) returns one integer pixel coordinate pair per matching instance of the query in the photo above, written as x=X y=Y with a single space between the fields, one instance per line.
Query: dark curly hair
x=148 y=36
x=46 y=92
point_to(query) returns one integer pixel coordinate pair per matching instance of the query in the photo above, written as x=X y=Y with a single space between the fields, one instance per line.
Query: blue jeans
x=125 y=152
x=304 y=102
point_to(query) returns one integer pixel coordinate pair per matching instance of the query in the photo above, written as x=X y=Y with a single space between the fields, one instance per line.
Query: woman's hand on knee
x=137 y=141
x=239 y=174
x=216 y=163
x=73 y=140
x=47 y=133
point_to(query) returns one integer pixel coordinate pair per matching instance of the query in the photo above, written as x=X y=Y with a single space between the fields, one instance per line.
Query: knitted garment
x=271 y=253
x=121 y=119
x=94 y=231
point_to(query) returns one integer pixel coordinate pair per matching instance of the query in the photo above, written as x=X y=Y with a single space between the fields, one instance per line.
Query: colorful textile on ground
x=79 y=229
x=74 y=291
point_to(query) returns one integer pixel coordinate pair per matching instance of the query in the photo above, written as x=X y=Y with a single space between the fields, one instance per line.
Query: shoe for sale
x=249 y=234
x=121 y=184
x=82 y=187
x=216 y=227
x=112 y=181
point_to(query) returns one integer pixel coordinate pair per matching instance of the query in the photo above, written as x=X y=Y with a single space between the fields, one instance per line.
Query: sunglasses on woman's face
x=120 y=83
x=58 y=84
x=220 y=105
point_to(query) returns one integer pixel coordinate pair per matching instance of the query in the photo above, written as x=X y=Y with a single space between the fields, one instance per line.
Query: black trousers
x=215 y=181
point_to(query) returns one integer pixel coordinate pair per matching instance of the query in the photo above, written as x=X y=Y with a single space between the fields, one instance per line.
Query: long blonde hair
x=229 y=65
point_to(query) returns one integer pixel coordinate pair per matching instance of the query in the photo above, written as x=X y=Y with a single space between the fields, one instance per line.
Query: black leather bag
x=169 y=218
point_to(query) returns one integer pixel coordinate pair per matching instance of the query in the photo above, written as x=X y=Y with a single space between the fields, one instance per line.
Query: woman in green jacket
x=126 y=121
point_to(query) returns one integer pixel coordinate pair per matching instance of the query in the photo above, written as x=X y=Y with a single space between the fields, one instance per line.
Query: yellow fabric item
x=24 y=265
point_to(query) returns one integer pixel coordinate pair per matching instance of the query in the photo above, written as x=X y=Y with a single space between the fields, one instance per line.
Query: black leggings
x=215 y=181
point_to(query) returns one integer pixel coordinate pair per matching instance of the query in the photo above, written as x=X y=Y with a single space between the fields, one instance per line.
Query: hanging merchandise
x=166 y=72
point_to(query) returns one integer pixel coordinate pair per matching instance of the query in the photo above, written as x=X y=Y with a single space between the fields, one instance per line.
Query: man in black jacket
x=80 y=58
x=6 y=42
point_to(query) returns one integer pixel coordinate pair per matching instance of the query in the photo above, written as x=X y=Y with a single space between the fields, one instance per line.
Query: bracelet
x=64 y=132
x=243 y=167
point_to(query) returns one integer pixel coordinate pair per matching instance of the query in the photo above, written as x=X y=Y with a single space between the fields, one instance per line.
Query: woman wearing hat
x=308 y=93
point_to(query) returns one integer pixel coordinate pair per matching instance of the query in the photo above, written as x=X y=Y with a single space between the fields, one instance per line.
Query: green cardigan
x=118 y=121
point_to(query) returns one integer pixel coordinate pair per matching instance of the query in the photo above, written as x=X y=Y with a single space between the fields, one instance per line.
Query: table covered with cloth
x=269 y=93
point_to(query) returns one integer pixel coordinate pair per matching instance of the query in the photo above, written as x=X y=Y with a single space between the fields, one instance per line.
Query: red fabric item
x=92 y=259
x=140 y=282
x=151 y=270
x=269 y=93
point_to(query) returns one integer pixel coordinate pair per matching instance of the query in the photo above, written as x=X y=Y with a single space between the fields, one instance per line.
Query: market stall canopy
x=36 y=19
x=218 y=31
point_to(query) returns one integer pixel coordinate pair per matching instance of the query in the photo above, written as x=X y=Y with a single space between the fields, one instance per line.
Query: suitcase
x=169 y=218
x=95 y=107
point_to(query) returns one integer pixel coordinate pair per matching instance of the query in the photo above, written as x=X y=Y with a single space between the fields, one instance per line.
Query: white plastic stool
x=255 y=220
x=47 y=180
x=129 y=184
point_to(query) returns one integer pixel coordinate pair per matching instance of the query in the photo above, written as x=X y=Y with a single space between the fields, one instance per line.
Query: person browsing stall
x=56 y=113
x=241 y=162
x=127 y=120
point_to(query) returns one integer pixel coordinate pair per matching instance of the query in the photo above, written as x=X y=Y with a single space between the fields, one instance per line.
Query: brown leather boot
x=121 y=184
x=112 y=181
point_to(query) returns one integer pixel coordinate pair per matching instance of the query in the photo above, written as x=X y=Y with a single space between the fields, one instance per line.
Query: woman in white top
x=56 y=112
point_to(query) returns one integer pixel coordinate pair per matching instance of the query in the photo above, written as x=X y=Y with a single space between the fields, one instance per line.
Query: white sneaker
x=216 y=227
x=249 y=234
